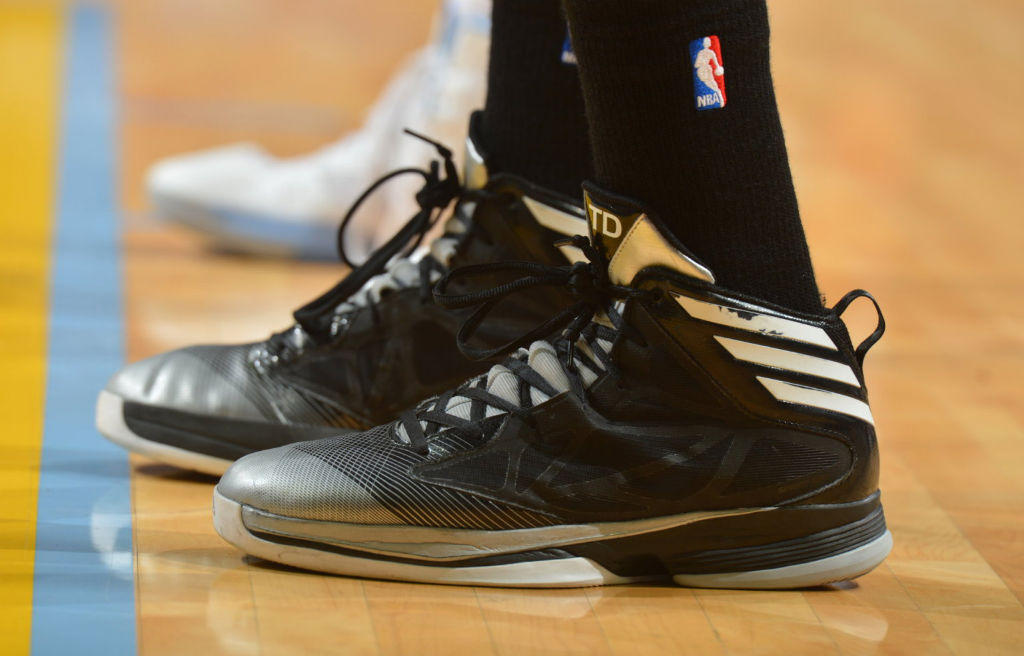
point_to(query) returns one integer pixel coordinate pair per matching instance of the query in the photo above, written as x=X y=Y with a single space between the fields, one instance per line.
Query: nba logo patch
x=708 y=73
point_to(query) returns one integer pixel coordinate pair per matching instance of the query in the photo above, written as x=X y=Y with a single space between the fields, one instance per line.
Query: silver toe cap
x=290 y=482
x=208 y=380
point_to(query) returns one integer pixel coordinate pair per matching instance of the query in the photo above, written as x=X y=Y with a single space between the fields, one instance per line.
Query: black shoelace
x=587 y=281
x=441 y=186
x=594 y=295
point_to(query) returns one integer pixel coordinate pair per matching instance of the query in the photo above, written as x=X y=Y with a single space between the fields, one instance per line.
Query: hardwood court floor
x=903 y=120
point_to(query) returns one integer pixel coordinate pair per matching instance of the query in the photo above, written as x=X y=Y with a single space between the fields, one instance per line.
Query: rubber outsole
x=563 y=573
x=111 y=424
x=568 y=572
x=840 y=567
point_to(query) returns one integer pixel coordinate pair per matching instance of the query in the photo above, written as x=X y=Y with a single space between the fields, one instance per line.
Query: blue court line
x=84 y=596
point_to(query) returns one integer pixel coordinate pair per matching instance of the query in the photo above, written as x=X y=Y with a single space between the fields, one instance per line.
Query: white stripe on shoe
x=764 y=324
x=556 y=219
x=816 y=398
x=789 y=361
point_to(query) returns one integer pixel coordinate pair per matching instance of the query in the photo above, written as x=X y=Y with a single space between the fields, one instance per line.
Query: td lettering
x=605 y=222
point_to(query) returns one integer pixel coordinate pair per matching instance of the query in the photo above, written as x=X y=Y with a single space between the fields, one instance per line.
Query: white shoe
x=251 y=201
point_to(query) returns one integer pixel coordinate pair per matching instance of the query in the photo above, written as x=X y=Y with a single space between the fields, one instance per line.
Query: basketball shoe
x=372 y=346
x=676 y=430
x=248 y=200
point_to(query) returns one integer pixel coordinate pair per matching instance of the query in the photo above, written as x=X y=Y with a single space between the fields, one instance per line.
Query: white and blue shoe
x=250 y=201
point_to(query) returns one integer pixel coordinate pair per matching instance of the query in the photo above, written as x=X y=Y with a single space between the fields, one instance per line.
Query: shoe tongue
x=501 y=382
x=542 y=358
x=633 y=240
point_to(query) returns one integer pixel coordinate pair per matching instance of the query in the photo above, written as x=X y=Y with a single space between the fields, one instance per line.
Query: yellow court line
x=31 y=38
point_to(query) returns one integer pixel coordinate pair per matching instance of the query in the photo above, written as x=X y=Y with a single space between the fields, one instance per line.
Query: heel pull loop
x=872 y=339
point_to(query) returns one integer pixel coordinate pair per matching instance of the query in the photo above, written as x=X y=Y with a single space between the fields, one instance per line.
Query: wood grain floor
x=903 y=121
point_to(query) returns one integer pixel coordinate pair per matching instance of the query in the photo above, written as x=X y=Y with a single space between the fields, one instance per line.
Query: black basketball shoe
x=675 y=430
x=371 y=347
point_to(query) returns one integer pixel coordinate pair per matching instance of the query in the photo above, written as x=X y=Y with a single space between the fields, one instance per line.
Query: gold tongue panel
x=632 y=242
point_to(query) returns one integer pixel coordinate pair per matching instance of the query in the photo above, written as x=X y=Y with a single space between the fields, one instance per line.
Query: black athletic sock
x=534 y=123
x=719 y=176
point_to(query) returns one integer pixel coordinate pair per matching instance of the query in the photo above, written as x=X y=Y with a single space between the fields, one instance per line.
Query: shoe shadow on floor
x=172 y=473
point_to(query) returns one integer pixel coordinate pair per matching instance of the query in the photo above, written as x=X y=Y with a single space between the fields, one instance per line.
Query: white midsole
x=562 y=573
x=841 y=567
x=203 y=218
x=229 y=520
x=441 y=544
x=110 y=423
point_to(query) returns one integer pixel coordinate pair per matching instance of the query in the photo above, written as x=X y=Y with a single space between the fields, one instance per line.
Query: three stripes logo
x=782 y=359
x=560 y=221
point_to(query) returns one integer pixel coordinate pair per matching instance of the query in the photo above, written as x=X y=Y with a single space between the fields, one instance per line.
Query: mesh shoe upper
x=362 y=478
